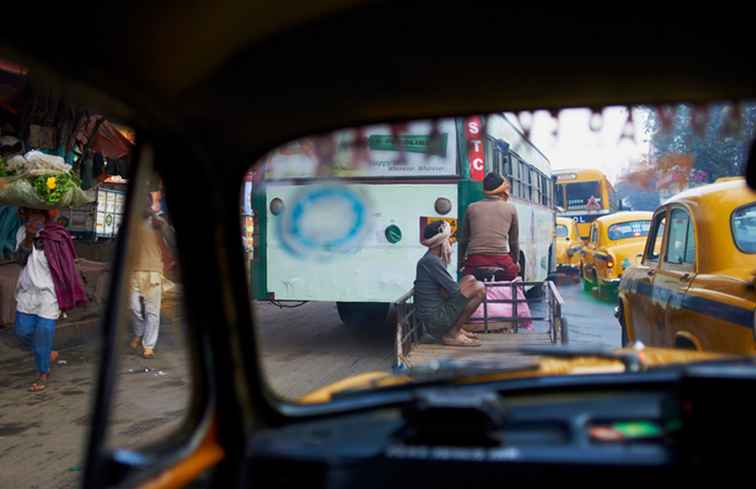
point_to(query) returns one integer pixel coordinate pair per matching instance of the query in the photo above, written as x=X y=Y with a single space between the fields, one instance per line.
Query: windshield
x=583 y=195
x=631 y=229
x=366 y=246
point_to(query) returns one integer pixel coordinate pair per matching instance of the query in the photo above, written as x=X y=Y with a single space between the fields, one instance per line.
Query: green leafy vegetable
x=52 y=187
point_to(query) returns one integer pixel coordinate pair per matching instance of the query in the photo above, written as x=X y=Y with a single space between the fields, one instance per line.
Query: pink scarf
x=442 y=240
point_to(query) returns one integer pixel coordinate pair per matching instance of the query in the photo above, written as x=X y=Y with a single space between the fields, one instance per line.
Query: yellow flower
x=51 y=183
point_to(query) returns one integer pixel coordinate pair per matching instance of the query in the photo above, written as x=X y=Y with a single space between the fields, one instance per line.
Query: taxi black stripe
x=707 y=307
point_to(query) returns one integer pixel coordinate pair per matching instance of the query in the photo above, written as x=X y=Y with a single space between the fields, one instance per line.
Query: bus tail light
x=610 y=264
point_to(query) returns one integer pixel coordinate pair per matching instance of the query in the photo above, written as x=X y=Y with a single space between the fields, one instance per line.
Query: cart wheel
x=563 y=331
x=363 y=314
x=553 y=331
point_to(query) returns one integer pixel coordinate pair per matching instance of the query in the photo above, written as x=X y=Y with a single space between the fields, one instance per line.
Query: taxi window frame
x=732 y=229
x=651 y=238
x=679 y=267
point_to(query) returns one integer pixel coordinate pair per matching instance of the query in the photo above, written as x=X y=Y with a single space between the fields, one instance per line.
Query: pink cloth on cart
x=504 y=310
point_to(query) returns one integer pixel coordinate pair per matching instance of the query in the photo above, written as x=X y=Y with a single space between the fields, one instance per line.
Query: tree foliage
x=716 y=137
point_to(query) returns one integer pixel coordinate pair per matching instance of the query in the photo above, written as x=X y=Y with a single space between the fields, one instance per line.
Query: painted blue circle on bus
x=324 y=221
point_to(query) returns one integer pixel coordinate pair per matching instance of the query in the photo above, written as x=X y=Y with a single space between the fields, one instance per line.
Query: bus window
x=507 y=166
x=534 y=190
x=516 y=177
x=525 y=181
x=559 y=194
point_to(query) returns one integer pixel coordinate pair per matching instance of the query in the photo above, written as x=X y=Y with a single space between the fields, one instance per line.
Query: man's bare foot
x=460 y=340
x=53 y=357
x=135 y=342
x=470 y=334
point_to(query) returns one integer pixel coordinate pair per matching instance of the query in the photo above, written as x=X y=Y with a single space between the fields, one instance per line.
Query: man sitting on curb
x=442 y=306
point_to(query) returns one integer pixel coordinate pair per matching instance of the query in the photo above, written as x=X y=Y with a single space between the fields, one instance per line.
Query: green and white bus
x=338 y=218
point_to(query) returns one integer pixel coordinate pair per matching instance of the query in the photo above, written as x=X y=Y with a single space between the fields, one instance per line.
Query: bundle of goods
x=40 y=181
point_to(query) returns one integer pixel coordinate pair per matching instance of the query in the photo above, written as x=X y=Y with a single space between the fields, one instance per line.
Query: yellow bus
x=583 y=195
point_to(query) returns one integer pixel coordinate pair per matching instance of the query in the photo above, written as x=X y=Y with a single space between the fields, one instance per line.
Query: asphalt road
x=42 y=435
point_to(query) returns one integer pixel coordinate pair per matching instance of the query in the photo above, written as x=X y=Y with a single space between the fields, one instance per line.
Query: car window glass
x=678 y=236
x=55 y=298
x=744 y=228
x=658 y=237
x=631 y=229
x=690 y=244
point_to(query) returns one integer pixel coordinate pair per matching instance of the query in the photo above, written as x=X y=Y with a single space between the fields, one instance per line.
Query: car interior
x=212 y=86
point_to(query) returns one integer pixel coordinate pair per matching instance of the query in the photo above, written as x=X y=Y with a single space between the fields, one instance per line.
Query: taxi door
x=641 y=301
x=673 y=278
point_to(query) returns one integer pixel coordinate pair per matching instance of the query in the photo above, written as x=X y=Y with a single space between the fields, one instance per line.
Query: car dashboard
x=444 y=437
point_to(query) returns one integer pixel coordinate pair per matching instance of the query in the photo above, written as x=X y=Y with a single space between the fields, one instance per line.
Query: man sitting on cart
x=490 y=234
x=442 y=307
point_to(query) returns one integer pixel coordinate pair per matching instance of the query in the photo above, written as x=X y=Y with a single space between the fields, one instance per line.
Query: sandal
x=38 y=386
x=148 y=354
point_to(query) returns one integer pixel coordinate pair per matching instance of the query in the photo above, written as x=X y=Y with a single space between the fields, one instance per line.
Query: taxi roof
x=723 y=196
x=624 y=216
x=565 y=220
x=580 y=174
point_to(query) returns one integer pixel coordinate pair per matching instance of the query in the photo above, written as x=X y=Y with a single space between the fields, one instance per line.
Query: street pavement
x=43 y=435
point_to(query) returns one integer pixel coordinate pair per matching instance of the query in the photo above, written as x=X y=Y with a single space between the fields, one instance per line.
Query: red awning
x=111 y=141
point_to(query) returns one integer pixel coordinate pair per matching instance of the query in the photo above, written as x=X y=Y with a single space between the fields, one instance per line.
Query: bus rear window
x=418 y=149
x=744 y=228
x=632 y=229
x=582 y=195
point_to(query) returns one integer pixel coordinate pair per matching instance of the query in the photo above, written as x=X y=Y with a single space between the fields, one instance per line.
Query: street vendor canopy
x=111 y=140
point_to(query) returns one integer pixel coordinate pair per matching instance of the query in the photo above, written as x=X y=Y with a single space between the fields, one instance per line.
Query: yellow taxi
x=694 y=287
x=614 y=244
x=568 y=245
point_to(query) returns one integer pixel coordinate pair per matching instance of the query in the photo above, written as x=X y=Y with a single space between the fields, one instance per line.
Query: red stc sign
x=475 y=153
